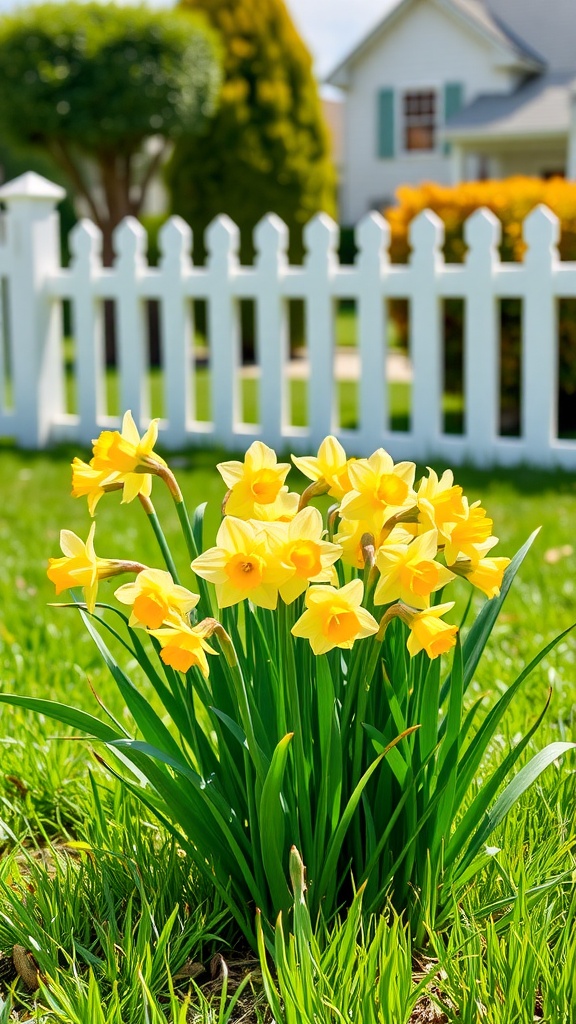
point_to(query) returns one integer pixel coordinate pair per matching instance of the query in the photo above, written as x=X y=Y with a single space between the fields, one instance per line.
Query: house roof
x=539 y=107
x=472 y=13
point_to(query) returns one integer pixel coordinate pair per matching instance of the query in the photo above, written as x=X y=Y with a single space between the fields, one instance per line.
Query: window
x=419 y=120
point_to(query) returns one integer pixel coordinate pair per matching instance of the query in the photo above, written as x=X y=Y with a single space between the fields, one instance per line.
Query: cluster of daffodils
x=389 y=547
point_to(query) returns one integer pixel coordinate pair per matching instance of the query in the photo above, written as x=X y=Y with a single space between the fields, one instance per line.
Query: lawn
x=115 y=916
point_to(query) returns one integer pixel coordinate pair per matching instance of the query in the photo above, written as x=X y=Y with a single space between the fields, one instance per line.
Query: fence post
x=33 y=242
x=540 y=329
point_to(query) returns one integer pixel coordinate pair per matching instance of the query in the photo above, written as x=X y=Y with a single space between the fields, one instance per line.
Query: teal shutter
x=453 y=101
x=385 y=125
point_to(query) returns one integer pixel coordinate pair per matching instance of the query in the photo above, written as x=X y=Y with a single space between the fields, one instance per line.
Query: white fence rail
x=34 y=286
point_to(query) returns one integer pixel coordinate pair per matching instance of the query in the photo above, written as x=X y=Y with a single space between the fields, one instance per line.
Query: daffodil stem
x=163 y=545
x=186 y=528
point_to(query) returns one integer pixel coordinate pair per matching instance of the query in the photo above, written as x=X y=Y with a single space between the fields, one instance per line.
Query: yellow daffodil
x=280 y=511
x=93 y=483
x=379 y=488
x=299 y=547
x=255 y=484
x=409 y=572
x=335 y=618
x=242 y=564
x=184 y=646
x=125 y=453
x=330 y=465
x=429 y=633
x=155 y=598
x=81 y=567
x=440 y=503
x=486 y=574
x=470 y=536
x=351 y=532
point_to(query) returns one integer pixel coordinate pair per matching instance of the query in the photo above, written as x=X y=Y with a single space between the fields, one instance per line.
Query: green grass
x=129 y=909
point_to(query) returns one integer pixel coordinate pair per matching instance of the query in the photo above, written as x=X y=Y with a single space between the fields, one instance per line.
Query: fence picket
x=481 y=335
x=223 y=243
x=132 y=336
x=372 y=239
x=177 y=329
x=320 y=238
x=540 y=361
x=86 y=250
x=426 y=239
x=271 y=239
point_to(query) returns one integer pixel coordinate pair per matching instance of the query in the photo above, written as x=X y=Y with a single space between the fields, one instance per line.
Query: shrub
x=267 y=149
x=511 y=200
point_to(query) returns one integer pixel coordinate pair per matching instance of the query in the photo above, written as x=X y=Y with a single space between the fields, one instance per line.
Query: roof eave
x=485 y=135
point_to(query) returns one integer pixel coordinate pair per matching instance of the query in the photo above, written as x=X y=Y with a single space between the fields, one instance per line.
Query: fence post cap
x=31 y=186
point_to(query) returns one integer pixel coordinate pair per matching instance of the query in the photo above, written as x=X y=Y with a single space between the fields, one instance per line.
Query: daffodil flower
x=351 y=532
x=486 y=574
x=93 y=483
x=256 y=486
x=124 y=455
x=330 y=465
x=379 y=488
x=335 y=617
x=471 y=536
x=155 y=598
x=440 y=503
x=429 y=633
x=242 y=565
x=299 y=547
x=184 y=646
x=81 y=567
x=409 y=572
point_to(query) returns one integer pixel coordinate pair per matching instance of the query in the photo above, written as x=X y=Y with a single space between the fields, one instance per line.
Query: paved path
x=347 y=366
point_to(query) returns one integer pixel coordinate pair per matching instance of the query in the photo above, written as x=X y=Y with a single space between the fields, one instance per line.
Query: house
x=452 y=90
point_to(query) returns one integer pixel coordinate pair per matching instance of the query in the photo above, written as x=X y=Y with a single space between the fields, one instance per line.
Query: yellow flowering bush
x=297 y=693
x=511 y=200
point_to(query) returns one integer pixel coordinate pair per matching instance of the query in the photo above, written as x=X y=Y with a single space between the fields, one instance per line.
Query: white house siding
x=423 y=49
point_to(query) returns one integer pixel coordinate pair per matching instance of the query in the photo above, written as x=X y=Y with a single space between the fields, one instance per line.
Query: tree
x=91 y=84
x=267 y=148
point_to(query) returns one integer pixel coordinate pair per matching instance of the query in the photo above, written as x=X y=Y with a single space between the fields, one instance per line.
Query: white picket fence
x=34 y=284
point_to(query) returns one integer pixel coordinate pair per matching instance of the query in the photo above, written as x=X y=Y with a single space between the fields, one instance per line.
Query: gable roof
x=472 y=14
x=539 y=107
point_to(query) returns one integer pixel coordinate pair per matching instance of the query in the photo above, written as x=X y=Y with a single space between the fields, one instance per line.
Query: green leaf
x=474 y=753
x=272 y=824
x=232 y=726
x=85 y=723
x=486 y=793
x=514 y=790
x=150 y=725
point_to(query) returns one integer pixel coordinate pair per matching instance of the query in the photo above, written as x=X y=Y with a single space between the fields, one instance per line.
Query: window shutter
x=453 y=101
x=385 y=127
